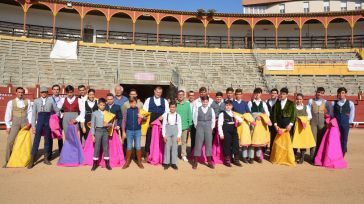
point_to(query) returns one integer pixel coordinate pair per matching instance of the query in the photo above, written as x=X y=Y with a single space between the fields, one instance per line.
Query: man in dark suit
x=115 y=109
x=284 y=112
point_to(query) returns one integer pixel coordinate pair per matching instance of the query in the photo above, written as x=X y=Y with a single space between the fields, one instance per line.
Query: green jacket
x=184 y=110
x=289 y=111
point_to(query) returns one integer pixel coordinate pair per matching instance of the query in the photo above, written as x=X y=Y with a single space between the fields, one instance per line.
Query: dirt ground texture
x=258 y=183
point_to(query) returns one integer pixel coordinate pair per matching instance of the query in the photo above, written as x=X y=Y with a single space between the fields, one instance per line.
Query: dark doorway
x=88 y=35
x=146 y=90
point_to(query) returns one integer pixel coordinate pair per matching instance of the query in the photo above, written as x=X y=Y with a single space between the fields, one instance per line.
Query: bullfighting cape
x=22 y=148
x=145 y=123
x=330 y=154
x=282 y=152
x=303 y=137
x=109 y=117
x=243 y=129
x=261 y=135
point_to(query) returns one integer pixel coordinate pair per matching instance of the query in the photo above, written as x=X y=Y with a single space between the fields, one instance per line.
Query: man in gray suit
x=42 y=108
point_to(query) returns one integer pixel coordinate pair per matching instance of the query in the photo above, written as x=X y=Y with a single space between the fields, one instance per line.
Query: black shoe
x=250 y=161
x=174 y=167
x=259 y=160
x=4 y=166
x=31 y=163
x=165 y=166
x=46 y=161
x=245 y=160
x=237 y=162
x=302 y=158
x=107 y=164
x=94 y=165
x=194 y=163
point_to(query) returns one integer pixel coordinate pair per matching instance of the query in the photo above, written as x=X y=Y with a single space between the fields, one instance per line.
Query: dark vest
x=342 y=113
x=153 y=108
x=302 y=112
x=227 y=118
x=132 y=119
x=257 y=109
x=204 y=117
x=89 y=111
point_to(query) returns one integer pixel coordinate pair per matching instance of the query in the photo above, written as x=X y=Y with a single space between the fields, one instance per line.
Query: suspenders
x=168 y=117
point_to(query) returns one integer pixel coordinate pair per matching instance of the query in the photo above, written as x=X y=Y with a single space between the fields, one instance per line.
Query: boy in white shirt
x=171 y=131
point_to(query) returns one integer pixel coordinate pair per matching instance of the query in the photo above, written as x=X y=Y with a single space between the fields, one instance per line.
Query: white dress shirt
x=81 y=115
x=19 y=104
x=157 y=102
x=172 y=121
x=198 y=103
x=271 y=102
x=220 y=121
x=308 y=110
x=283 y=103
x=265 y=107
x=204 y=110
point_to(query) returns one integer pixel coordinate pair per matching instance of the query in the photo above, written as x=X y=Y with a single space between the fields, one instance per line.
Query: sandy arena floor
x=258 y=183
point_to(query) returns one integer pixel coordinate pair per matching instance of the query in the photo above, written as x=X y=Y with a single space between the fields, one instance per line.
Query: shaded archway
x=264 y=34
x=193 y=33
x=359 y=33
x=68 y=22
x=240 y=32
x=146 y=30
x=94 y=27
x=338 y=34
x=217 y=34
x=11 y=24
x=121 y=29
x=39 y=22
x=313 y=34
x=288 y=34
x=169 y=31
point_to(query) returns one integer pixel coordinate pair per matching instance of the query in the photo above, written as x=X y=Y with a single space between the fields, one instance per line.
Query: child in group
x=204 y=121
x=344 y=111
x=171 y=132
x=100 y=135
x=228 y=133
x=131 y=127
x=303 y=137
x=257 y=108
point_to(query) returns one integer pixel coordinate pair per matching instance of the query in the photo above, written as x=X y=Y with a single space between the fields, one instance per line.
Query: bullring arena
x=142 y=48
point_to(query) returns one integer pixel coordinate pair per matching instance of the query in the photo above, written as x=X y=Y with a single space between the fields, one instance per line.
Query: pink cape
x=330 y=153
x=217 y=152
x=157 y=144
x=115 y=151
x=56 y=130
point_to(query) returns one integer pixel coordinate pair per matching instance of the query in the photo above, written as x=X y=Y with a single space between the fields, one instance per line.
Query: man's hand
x=289 y=127
x=106 y=124
x=27 y=126
x=83 y=130
x=123 y=135
x=222 y=137
x=117 y=128
x=279 y=131
x=73 y=121
x=165 y=139
x=258 y=118
x=93 y=138
x=178 y=139
x=33 y=131
x=7 y=130
x=160 y=117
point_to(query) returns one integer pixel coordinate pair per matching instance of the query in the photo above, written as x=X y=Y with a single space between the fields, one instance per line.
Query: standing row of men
x=21 y=113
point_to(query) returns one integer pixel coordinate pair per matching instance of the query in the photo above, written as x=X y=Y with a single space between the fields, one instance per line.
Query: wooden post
x=158 y=33
x=81 y=27
x=133 y=31
x=54 y=26
x=276 y=37
x=228 y=35
x=107 y=30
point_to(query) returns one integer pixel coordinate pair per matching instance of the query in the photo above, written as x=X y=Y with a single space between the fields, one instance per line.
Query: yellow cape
x=145 y=124
x=109 y=117
x=22 y=148
x=261 y=135
x=282 y=152
x=244 y=129
x=303 y=137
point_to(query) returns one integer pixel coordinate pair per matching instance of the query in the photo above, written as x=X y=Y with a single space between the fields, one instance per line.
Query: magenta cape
x=330 y=153
x=71 y=154
x=116 y=153
x=56 y=130
x=157 y=144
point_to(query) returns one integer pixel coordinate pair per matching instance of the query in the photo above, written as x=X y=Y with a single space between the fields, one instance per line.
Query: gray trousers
x=318 y=128
x=101 y=138
x=203 y=135
x=17 y=124
x=171 y=147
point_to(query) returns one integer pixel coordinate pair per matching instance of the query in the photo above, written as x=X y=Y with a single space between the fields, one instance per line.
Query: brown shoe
x=209 y=163
x=194 y=163
x=46 y=161
x=139 y=159
x=31 y=163
x=128 y=159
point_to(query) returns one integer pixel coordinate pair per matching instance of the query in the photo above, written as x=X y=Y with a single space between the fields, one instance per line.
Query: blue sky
x=223 y=6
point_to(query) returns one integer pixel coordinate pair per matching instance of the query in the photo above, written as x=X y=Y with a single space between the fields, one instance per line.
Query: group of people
x=106 y=131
